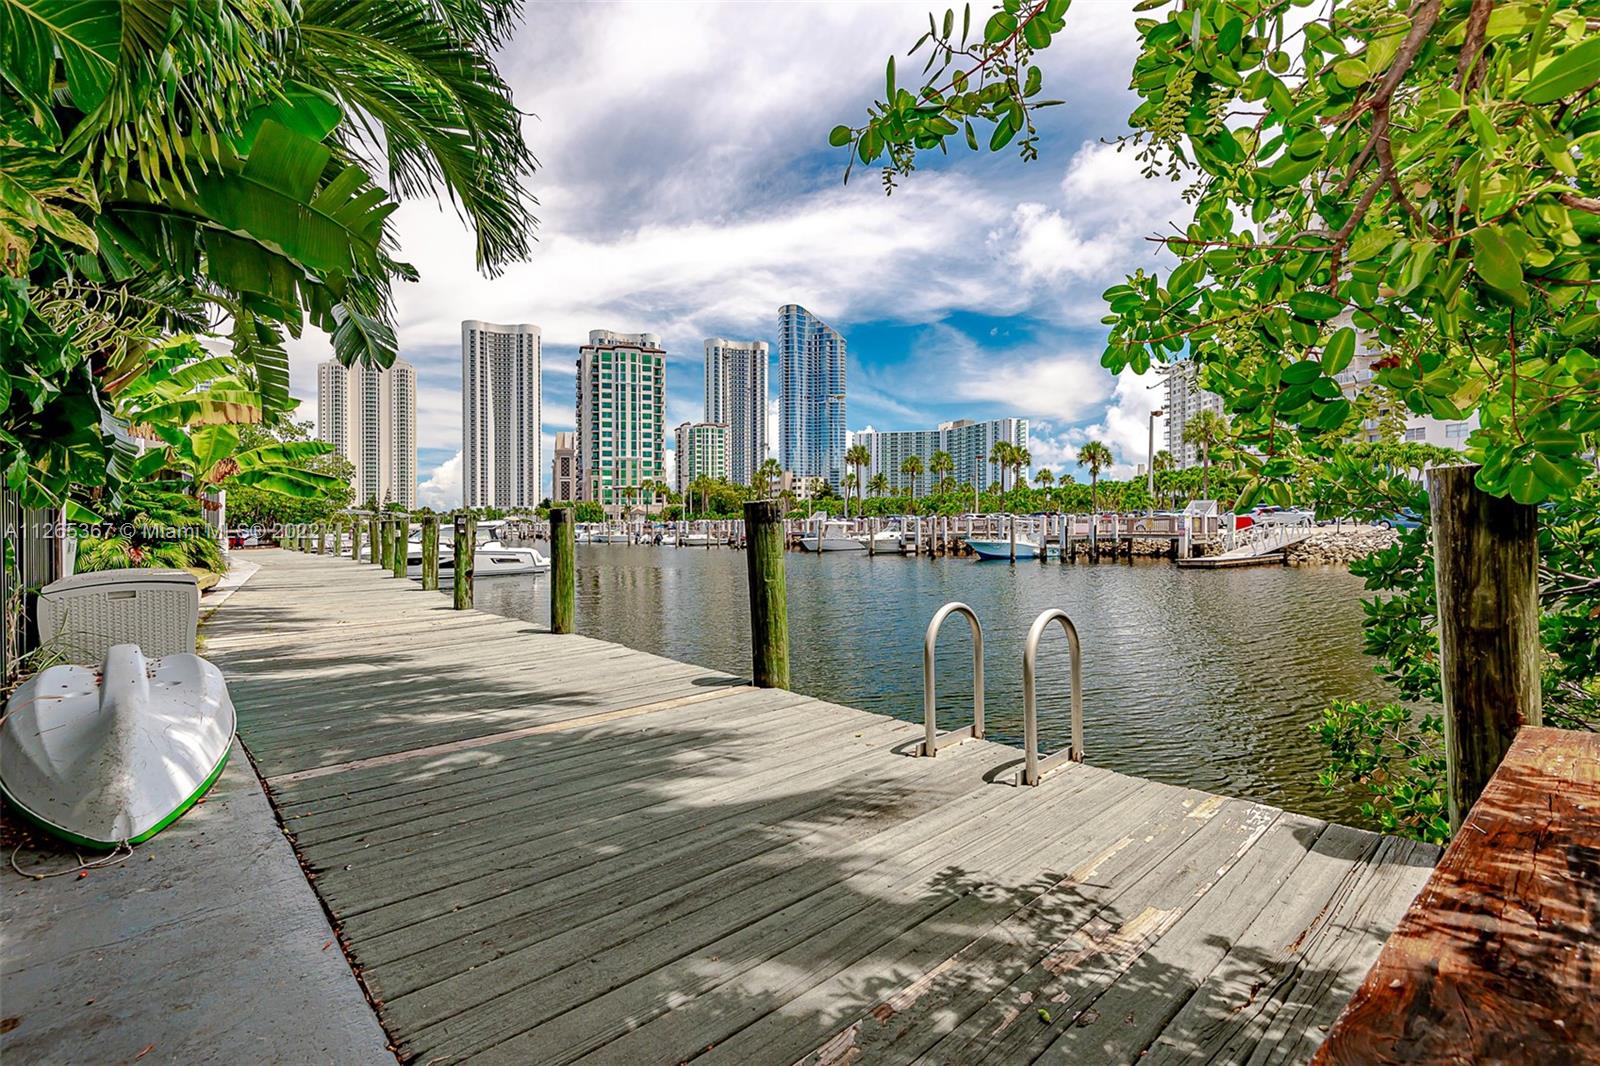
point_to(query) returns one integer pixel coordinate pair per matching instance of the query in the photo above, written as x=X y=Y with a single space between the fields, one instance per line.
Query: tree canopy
x=1416 y=179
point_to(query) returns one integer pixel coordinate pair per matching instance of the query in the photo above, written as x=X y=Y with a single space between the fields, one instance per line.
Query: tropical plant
x=912 y=467
x=1205 y=429
x=1417 y=180
x=858 y=458
x=878 y=484
x=1096 y=456
x=159 y=525
x=850 y=482
x=1002 y=454
x=769 y=473
x=941 y=464
x=169 y=166
x=1045 y=478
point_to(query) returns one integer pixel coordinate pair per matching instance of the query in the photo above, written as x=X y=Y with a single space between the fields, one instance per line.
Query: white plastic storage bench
x=82 y=616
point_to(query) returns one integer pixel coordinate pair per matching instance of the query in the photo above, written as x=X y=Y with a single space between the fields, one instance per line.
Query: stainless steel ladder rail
x=1033 y=767
x=933 y=739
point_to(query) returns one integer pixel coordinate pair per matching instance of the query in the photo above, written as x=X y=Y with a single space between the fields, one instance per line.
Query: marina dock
x=541 y=848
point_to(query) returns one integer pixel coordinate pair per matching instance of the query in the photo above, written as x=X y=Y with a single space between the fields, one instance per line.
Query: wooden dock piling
x=769 y=605
x=563 y=570
x=373 y=538
x=465 y=540
x=1486 y=572
x=385 y=544
x=402 y=544
x=430 y=552
x=355 y=539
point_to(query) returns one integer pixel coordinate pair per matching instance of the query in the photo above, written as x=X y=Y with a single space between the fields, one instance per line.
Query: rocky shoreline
x=1340 y=547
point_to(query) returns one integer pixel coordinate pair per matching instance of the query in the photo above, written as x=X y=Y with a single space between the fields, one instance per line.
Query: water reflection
x=1201 y=678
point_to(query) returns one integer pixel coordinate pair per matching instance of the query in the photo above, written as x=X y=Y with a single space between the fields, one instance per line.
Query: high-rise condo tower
x=370 y=417
x=811 y=411
x=500 y=463
x=736 y=396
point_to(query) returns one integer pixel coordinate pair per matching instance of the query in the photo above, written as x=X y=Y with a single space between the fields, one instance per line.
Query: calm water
x=1194 y=677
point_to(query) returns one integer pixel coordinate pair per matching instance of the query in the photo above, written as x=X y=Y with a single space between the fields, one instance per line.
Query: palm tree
x=911 y=466
x=878 y=484
x=858 y=458
x=1001 y=455
x=1205 y=429
x=769 y=473
x=941 y=465
x=850 y=481
x=1096 y=457
x=1021 y=460
x=1045 y=478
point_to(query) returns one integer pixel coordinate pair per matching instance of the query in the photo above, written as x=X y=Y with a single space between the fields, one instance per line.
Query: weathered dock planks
x=548 y=849
x=1498 y=958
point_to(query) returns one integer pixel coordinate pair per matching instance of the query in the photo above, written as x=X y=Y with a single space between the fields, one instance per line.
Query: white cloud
x=685 y=189
x=442 y=488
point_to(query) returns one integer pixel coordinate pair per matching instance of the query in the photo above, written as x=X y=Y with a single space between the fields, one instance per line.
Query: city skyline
x=714 y=241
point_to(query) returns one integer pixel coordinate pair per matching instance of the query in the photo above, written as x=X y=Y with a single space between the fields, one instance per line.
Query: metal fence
x=31 y=556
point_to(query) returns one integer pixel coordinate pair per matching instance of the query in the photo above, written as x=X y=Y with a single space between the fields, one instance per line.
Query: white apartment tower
x=622 y=399
x=1185 y=399
x=736 y=396
x=370 y=417
x=500 y=462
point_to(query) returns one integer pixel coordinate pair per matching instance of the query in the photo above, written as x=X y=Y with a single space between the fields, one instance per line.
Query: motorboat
x=1001 y=548
x=832 y=536
x=110 y=755
x=610 y=536
x=491 y=557
x=885 y=540
x=698 y=540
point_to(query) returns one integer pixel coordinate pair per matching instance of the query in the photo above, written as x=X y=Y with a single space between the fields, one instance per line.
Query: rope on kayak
x=118 y=854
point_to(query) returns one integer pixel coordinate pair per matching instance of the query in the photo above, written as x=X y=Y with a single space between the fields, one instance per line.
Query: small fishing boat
x=698 y=540
x=1001 y=548
x=832 y=537
x=112 y=756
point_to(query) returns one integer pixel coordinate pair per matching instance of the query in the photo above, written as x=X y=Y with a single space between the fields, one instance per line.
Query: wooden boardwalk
x=544 y=849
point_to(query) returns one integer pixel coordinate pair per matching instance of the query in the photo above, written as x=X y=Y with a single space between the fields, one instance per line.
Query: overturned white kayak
x=114 y=756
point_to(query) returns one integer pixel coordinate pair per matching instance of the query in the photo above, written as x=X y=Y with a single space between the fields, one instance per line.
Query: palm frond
x=431 y=105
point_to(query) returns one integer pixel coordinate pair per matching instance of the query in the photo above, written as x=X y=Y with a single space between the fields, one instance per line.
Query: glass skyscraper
x=811 y=413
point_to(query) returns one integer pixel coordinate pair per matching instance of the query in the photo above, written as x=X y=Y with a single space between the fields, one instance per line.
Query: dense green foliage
x=171 y=168
x=1420 y=178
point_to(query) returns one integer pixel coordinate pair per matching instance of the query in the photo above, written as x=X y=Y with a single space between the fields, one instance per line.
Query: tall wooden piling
x=769 y=604
x=1486 y=574
x=1012 y=524
x=430 y=552
x=563 y=569
x=385 y=543
x=465 y=538
x=355 y=539
x=402 y=545
x=374 y=536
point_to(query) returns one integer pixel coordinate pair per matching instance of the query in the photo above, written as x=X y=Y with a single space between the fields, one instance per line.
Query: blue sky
x=686 y=189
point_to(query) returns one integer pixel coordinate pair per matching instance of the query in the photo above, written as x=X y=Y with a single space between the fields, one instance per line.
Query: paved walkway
x=552 y=849
x=208 y=945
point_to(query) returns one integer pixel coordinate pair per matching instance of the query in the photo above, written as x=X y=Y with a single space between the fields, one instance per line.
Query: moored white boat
x=1001 y=548
x=885 y=540
x=832 y=537
x=111 y=755
x=698 y=540
x=490 y=557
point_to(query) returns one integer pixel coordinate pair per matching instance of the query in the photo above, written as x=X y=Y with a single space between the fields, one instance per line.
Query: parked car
x=1405 y=518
